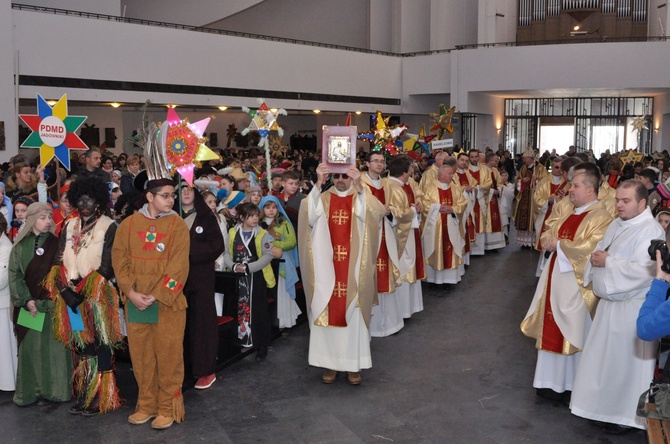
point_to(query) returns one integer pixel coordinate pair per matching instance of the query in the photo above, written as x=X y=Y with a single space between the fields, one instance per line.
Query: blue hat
x=235 y=198
x=221 y=194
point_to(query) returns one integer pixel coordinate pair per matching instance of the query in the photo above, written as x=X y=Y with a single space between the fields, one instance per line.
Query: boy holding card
x=151 y=263
x=44 y=366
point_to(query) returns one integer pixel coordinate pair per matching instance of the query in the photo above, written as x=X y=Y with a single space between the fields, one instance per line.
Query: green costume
x=45 y=365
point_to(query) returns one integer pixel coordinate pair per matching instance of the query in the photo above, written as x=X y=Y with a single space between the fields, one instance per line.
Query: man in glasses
x=386 y=313
x=339 y=241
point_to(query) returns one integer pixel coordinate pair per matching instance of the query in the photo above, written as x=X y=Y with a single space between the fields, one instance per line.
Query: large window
x=598 y=123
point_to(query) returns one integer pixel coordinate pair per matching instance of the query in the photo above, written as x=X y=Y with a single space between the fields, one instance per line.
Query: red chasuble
x=552 y=338
x=447 y=248
x=383 y=255
x=418 y=263
x=470 y=224
x=478 y=214
x=339 y=223
x=496 y=224
x=553 y=189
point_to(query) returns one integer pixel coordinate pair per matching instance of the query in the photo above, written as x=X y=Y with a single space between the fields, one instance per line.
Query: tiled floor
x=459 y=372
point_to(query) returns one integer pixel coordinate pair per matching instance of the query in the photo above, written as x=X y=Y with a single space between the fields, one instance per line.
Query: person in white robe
x=8 y=348
x=342 y=346
x=616 y=366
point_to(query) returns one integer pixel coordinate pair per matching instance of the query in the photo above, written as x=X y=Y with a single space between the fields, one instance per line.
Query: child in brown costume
x=150 y=260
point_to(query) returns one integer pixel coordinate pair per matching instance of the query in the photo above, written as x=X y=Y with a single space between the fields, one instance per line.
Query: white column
x=8 y=96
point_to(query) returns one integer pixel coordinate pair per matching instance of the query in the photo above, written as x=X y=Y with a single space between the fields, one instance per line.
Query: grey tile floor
x=459 y=372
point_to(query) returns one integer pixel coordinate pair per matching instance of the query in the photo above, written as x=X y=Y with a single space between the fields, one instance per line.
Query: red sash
x=552 y=338
x=418 y=263
x=553 y=189
x=447 y=248
x=478 y=213
x=470 y=223
x=496 y=223
x=339 y=223
x=383 y=255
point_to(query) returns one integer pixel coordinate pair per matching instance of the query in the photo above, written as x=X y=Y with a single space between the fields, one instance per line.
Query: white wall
x=380 y=33
x=311 y=20
x=107 y=7
x=8 y=114
x=170 y=56
x=452 y=23
x=414 y=29
x=196 y=13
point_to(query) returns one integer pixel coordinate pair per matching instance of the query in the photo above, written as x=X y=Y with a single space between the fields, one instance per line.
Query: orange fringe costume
x=101 y=321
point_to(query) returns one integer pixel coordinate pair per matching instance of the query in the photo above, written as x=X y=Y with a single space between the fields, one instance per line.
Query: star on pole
x=443 y=120
x=53 y=131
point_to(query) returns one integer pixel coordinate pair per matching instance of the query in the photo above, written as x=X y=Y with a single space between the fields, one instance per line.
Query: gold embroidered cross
x=341 y=217
x=340 y=290
x=381 y=265
x=340 y=253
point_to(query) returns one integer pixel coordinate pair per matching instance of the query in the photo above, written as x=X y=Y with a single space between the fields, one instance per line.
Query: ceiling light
x=576 y=28
x=223 y=108
x=316 y=111
x=115 y=104
x=358 y=113
x=171 y=105
x=51 y=102
x=274 y=110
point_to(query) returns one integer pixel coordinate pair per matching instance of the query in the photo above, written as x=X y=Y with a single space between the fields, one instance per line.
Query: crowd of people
x=107 y=251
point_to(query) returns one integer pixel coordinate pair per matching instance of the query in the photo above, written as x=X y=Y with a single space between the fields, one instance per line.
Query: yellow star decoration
x=277 y=147
x=443 y=120
x=630 y=156
x=639 y=123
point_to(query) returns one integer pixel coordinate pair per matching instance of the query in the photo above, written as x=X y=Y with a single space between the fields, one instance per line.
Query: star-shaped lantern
x=443 y=120
x=263 y=120
x=639 y=124
x=53 y=131
x=383 y=136
x=418 y=142
x=185 y=145
x=630 y=156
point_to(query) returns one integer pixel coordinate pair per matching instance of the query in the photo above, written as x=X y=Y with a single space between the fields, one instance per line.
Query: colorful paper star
x=443 y=120
x=384 y=136
x=630 y=156
x=263 y=120
x=418 y=142
x=639 y=124
x=53 y=131
x=185 y=145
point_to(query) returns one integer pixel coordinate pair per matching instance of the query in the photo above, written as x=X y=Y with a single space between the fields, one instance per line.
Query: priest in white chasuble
x=405 y=206
x=616 y=366
x=493 y=228
x=338 y=245
x=562 y=308
x=442 y=238
x=387 y=317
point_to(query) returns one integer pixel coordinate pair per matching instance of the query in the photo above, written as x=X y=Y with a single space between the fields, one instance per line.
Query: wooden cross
x=340 y=253
x=340 y=217
x=340 y=290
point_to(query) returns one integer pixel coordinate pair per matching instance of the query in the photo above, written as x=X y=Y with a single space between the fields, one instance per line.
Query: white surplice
x=335 y=348
x=8 y=348
x=616 y=366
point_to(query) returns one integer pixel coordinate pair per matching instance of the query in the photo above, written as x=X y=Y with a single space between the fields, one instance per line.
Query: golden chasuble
x=552 y=338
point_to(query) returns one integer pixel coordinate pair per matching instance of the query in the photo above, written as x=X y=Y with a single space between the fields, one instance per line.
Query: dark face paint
x=86 y=206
